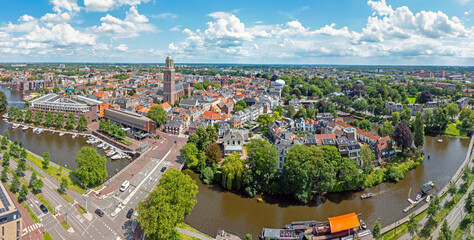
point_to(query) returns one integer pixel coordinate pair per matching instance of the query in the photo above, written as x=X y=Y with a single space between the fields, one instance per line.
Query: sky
x=349 y=32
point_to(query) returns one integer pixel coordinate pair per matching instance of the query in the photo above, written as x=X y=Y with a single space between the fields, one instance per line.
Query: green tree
x=262 y=162
x=82 y=123
x=167 y=205
x=232 y=170
x=6 y=159
x=452 y=110
x=28 y=116
x=20 y=168
x=4 y=174
x=157 y=114
x=38 y=185
x=385 y=130
x=213 y=154
x=23 y=193
x=301 y=113
x=355 y=123
x=64 y=186
x=434 y=207
x=212 y=133
x=365 y=125
x=46 y=158
x=48 y=119
x=413 y=225
x=207 y=175
x=419 y=129
x=33 y=178
x=6 y=134
x=376 y=231
x=91 y=166
x=405 y=115
x=4 y=142
x=446 y=233
x=59 y=121
x=393 y=174
x=190 y=155
x=368 y=158
x=469 y=203
x=290 y=111
x=15 y=184
x=453 y=189
x=23 y=153
x=38 y=117
x=465 y=114
x=3 y=101
x=71 y=121
x=248 y=236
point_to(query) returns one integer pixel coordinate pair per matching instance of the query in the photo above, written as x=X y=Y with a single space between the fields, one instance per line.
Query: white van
x=124 y=185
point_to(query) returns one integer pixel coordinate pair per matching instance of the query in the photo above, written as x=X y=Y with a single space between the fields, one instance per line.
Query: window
x=18 y=229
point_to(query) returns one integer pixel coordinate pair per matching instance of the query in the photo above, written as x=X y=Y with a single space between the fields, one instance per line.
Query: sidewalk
x=192 y=234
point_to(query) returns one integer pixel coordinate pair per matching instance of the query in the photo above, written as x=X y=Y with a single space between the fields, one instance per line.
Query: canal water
x=217 y=208
x=62 y=149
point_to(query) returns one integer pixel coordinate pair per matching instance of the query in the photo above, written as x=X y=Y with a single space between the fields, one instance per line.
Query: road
x=163 y=153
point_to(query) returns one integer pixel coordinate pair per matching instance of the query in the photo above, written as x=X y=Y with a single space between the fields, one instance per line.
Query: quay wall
x=456 y=177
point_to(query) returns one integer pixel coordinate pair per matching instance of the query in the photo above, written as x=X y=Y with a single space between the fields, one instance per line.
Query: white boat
x=38 y=131
x=440 y=140
x=25 y=127
x=15 y=126
x=105 y=147
x=74 y=135
x=111 y=152
x=61 y=134
x=101 y=145
x=116 y=157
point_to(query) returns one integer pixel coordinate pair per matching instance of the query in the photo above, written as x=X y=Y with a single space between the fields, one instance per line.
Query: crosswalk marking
x=32 y=228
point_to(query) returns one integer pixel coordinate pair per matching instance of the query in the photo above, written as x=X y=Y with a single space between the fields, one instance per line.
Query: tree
x=419 y=129
x=48 y=119
x=402 y=135
x=465 y=114
x=365 y=125
x=434 y=207
x=3 y=101
x=368 y=158
x=471 y=102
x=301 y=113
x=23 y=193
x=405 y=115
x=385 y=130
x=355 y=123
x=232 y=170
x=4 y=174
x=376 y=231
x=20 y=168
x=71 y=121
x=262 y=162
x=46 y=158
x=452 y=110
x=466 y=174
x=6 y=159
x=28 y=116
x=82 y=123
x=213 y=154
x=440 y=118
x=38 y=185
x=469 y=202
x=360 y=106
x=32 y=179
x=38 y=117
x=453 y=189
x=190 y=155
x=91 y=166
x=157 y=114
x=425 y=97
x=290 y=111
x=207 y=175
x=446 y=233
x=23 y=153
x=64 y=186
x=248 y=236
x=393 y=174
x=15 y=184
x=167 y=205
x=413 y=225
x=212 y=133
x=59 y=121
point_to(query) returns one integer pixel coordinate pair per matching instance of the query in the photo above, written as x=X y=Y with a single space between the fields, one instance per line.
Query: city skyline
x=303 y=32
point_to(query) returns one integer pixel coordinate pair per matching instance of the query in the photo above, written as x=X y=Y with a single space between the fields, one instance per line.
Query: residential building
x=11 y=221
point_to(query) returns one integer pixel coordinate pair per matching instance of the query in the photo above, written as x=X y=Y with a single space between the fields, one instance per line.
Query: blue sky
x=413 y=32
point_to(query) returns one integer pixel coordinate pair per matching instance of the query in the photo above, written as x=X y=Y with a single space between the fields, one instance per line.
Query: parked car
x=130 y=213
x=124 y=185
x=43 y=209
x=163 y=169
x=99 y=212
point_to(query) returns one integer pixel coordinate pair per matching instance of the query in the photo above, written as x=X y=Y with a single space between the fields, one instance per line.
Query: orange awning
x=344 y=222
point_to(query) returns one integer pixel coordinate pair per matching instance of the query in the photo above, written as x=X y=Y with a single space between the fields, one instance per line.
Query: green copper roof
x=169 y=57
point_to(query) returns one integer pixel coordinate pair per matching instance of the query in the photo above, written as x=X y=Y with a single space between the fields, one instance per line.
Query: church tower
x=169 y=81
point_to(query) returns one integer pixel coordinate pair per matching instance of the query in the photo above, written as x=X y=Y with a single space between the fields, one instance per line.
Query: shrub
x=207 y=175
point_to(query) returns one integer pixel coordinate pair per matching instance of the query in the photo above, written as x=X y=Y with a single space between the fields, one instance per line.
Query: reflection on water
x=217 y=208
x=62 y=149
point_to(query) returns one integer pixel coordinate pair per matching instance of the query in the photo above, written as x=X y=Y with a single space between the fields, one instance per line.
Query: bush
x=187 y=171
x=207 y=175
x=393 y=174
x=158 y=136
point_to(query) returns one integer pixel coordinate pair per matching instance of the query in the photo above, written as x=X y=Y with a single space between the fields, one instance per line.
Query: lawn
x=53 y=172
x=65 y=196
x=46 y=236
x=189 y=228
x=411 y=100
x=455 y=130
x=126 y=142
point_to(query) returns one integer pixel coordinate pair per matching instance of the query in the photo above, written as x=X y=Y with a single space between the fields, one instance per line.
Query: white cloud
x=60 y=35
x=130 y=27
x=26 y=18
x=56 y=17
x=164 y=16
x=464 y=1
x=122 y=47
x=176 y=28
x=106 y=5
x=467 y=13
x=69 y=5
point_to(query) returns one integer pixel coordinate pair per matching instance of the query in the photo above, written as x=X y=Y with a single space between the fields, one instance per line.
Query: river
x=62 y=149
x=218 y=208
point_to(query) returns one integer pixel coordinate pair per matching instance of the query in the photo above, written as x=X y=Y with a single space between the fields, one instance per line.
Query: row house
x=462 y=102
x=283 y=146
x=394 y=107
x=415 y=108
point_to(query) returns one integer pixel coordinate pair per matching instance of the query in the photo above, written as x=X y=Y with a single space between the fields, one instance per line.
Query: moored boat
x=15 y=126
x=74 y=135
x=61 y=134
x=25 y=127
x=111 y=153
x=366 y=195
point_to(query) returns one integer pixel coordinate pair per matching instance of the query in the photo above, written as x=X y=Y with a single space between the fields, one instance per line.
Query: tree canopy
x=157 y=114
x=91 y=166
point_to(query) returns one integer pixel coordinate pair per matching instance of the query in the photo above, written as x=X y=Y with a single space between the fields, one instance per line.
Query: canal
x=218 y=208
x=62 y=149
